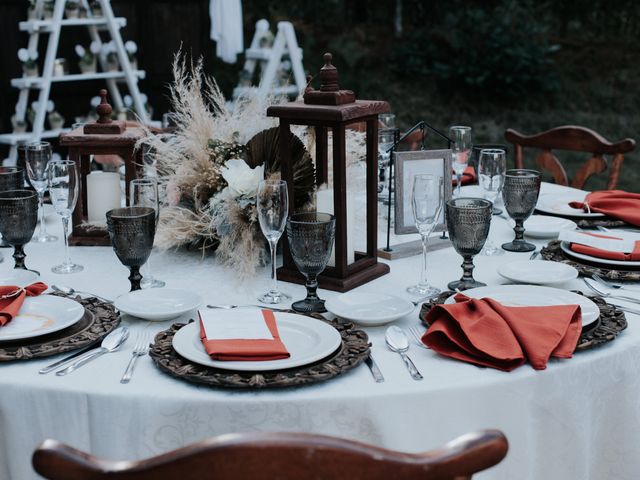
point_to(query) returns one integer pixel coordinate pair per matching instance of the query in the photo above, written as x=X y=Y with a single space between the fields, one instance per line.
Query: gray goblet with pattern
x=132 y=230
x=468 y=222
x=18 y=219
x=11 y=178
x=520 y=195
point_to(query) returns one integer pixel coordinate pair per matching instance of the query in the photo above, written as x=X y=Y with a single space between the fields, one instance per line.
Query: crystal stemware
x=132 y=230
x=144 y=193
x=63 y=188
x=18 y=218
x=311 y=238
x=272 y=204
x=468 y=221
x=386 y=138
x=37 y=158
x=11 y=178
x=520 y=195
x=426 y=204
x=492 y=165
x=461 y=148
x=387 y=121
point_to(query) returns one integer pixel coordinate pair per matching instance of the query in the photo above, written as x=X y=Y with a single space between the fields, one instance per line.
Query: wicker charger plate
x=611 y=322
x=353 y=351
x=99 y=319
x=606 y=222
x=554 y=253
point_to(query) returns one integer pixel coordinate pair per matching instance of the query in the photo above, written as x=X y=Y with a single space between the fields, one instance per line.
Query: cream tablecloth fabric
x=579 y=419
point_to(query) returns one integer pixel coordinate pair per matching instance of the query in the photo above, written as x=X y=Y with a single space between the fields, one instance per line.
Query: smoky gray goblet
x=11 y=178
x=520 y=195
x=132 y=230
x=18 y=218
x=468 y=222
x=311 y=238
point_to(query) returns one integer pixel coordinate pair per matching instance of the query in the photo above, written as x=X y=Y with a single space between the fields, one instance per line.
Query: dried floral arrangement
x=210 y=167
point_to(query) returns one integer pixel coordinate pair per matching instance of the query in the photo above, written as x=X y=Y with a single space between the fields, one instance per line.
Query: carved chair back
x=285 y=456
x=577 y=139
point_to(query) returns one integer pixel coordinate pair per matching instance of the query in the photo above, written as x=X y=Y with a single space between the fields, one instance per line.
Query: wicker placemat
x=611 y=322
x=353 y=351
x=554 y=252
x=99 y=319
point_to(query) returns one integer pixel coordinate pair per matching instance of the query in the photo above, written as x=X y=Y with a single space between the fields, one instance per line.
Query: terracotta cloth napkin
x=485 y=332
x=12 y=298
x=468 y=176
x=245 y=349
x=614 y=203
x=608 y=254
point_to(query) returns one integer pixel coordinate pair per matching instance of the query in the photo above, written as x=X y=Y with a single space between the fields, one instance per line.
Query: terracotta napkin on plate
x=485 y=332
x=12 y=298
x=632 y=256
x=614 y=203
x=468 y=176
x=254 y=342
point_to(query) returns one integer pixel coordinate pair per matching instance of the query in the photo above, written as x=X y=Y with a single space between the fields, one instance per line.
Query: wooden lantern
x=102 y=137
x=335 y=109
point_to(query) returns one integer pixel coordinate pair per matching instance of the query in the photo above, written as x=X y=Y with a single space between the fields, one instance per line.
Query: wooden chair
x=281 y=456
x=577 y=139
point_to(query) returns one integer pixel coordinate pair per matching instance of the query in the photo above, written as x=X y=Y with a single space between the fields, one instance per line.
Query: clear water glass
x=386 y=138
x=461 y=149
x=37 y=158
x=143 y=192
x=272 y=204
x=492 y=165
x=387 y=121
x=427 y=199
x=63 y=188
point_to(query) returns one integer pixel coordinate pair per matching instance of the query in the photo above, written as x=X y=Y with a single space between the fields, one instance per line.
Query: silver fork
x=416 y=336
x=613 y=285
x=141 y=348
x=609 y=295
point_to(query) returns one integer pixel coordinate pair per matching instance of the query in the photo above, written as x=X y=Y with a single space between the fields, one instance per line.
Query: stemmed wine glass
x=426 y=204
x=468 y=221
x=272 y=204
x=132 y=230
x=461 y=148
x=18 y=218
x=520 y=195
x=492 y=165
x=143 y=192
x=37 y=158
x=63 y=188
x=311 y=237
x=385 y=142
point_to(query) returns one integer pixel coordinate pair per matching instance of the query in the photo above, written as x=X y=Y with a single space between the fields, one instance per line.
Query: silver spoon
x=398 y=342
x=71 y=291
x=109 y=344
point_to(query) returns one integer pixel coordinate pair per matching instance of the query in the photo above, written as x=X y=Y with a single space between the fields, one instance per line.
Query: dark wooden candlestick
x=104 y=125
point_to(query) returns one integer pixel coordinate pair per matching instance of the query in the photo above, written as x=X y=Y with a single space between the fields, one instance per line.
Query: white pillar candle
x=103 y=194
x=324 y=204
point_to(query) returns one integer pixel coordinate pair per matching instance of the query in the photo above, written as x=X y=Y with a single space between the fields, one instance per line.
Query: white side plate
x=369 y=308
x=537 y=272
x=559 y=205
x=544 y=226
x=307 y=340
x=535 y=296
x=158 y=304
x=18 y=277
x=42 y=315
x=601 y=261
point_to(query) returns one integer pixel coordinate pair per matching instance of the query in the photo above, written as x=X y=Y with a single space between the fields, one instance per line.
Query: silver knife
x=65 y=360
x=373 y=367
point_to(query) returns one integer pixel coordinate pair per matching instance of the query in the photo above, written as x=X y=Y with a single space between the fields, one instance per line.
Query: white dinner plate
x=307 y=340
x=537 y=272
x=544 y=226
x=18 y=277
x=42 y=315
x=369 y=308
x=558 y=204
x=158 y=304
x=601 y=261
x=534 y=296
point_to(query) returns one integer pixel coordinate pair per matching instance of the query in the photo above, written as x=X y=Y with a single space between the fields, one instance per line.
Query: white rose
x=242 y=179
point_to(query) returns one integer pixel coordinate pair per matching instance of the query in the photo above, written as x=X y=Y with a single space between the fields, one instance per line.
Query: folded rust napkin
x=631 y=255
x=242 y=335
x=468 y=176
x=485 y=332
x=12 y=298
x=614 y=203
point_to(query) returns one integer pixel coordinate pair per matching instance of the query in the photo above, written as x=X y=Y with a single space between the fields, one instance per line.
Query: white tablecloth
x=579 y=418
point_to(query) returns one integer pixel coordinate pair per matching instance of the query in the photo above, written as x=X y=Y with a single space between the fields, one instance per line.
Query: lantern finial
x=328 y=75
x=104 y=125
x=329 y=93
x=104 y=109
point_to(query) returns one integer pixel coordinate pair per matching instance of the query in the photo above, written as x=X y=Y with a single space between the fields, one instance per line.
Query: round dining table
x=577 y=419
